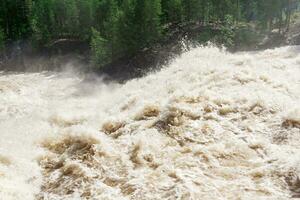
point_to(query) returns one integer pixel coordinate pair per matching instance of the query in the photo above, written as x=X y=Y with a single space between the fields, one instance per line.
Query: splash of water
x=213 y=125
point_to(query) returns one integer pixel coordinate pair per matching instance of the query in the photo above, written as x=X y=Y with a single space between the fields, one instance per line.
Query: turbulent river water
x=211 y=125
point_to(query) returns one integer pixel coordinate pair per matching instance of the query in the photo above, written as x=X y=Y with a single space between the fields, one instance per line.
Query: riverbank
x=20 y=56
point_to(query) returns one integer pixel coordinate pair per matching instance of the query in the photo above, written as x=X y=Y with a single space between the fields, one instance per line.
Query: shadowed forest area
x=118 y=31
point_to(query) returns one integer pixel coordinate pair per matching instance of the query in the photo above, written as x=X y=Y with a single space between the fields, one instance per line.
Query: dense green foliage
x=1 y=39
x=15 y=18
x=118 y=28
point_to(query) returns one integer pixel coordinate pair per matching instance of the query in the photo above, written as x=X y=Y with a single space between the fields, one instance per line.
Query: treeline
x=117 y=28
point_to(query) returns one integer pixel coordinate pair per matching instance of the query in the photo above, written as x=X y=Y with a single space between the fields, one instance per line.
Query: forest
x=121 y=28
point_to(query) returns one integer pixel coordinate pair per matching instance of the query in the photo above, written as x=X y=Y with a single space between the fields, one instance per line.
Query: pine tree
x=1 y=39
x=86 y=14
x=192 y=10
x=43 y=23
x=128 y=29
x=172 y=11
x=100 y=50
x=72 y=18
x=108 y=36
x=147 y=18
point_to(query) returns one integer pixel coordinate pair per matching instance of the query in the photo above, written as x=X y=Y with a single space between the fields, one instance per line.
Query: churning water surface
x=211 y=125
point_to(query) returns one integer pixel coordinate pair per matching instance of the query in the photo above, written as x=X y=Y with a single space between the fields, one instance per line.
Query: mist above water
x=211 y=125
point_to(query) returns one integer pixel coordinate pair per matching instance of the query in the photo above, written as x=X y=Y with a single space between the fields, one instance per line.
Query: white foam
x=217 y=131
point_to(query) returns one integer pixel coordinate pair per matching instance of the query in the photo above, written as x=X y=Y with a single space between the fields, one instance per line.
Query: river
x=210 y=125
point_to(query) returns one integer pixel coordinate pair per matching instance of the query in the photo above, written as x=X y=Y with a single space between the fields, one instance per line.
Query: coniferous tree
x=128 y=29
x=108 y=37
x=147 y=18
x=14 y=19
x=43 y=22
x=172 y=11
x=192 y=10
x=1 y=39
x=86 y=17
x=110 y=25
x=100 y=49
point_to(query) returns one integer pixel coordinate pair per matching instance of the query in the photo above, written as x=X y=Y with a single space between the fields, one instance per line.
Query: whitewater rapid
x=210 y=125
